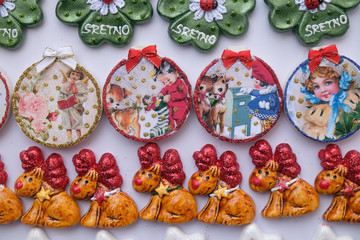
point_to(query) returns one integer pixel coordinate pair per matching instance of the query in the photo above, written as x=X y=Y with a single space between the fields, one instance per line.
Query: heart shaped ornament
x=238 y=97
x=147 y=97
x=57 y=102
x=5 y=99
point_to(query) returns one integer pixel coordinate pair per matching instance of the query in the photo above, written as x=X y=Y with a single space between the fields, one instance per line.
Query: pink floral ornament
x=33 y=106
x=38 y=125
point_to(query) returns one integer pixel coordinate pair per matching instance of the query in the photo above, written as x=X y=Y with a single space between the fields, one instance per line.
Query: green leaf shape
x=310 y=32
x=286 y=16
x=137 y=10
x=27 y=12
x=11 y=32
x=346 y=4
x=171 y=9
x=201 y=34
x=235 y=22
x=277 y=3
x=98 y=29
x=72 y=12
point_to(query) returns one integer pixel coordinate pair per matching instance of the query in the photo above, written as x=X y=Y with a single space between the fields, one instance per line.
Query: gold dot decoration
x=46 y=84
x=292 y=98
x=127 y=103
x=91 y=89
x=256 y=110
x=345 y=65
x=87 y=112
x=235 y=111
x=296 y=80
x=87 y=125
x=28 y=76
x=142 y=118
x=147 y=124
x=353 y=74
x=170 y=128
x=58 y=88
x=356 y=85
x=154 y=115
x=256 y=123
x=95 y=106
x=118 y=78
x=60 y=127
x=298 y=115
x=237 y=121
x=54 y=138
x=23 y=88
x=146 y=134
x=138 y=96
x=49 y=126
x=152 y=74
x=229 y=129
x=246 y=74
x=131 y=78
x=217 y=70
x=250 y=116
x=57 y=112
x=243 y=131
x=301 y=100
x=238 y=83
x=55 y=77
x=51 y=99
x=134 y=87
x=143 y=80
x=143 y=68
x=237 y=69
x=163 y=117
x=270 y=119
x=232 y=78
x=153 y=87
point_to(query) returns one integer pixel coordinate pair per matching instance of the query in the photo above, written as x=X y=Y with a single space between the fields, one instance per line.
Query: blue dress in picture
x=263 y=113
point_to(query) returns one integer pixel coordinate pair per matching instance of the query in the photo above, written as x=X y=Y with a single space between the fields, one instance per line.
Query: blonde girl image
x=72 y=95
x=329 y=92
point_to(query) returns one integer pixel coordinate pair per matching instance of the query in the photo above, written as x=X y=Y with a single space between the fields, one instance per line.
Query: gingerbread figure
x=46 y=181
x=11 y=207
x=341 y=178
x=279 y=172
x=170 y=202
x=110 y=207
x=220 y=178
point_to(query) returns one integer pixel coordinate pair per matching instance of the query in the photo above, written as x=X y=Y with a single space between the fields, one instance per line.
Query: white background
x=282 y=51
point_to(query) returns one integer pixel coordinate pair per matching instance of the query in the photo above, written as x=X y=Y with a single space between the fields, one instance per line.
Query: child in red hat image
x=266 y=104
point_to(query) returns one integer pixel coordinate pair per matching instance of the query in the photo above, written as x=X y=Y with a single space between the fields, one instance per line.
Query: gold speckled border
x=17 y=118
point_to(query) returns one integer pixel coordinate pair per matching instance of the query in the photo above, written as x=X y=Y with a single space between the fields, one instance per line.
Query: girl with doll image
x=329 y=92
x=266 y=104
x=72 y=95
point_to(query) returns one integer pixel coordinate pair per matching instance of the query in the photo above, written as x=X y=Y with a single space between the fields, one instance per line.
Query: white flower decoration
x=7 y=4
x=209 y=15
x=304 y=8
x=103 y=6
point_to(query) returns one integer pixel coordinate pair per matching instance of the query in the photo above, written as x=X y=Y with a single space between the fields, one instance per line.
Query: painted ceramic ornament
x=15 y=16
x=5 y=99
x=322 y=96
x=200 y=22
x=170 y=202
x=238 y=98
x=11 y=207
x=147 y=97
x=56 y=101
x=220 y=179
x=37 y=234
x=278 y=173
x=45 y=181
x=101 y=182
x=253 y=232
x=324 y=232
x=101 y=21
x=340 y=177
x=311 y=20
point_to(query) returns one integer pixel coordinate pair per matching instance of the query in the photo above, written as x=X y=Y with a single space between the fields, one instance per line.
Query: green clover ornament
x=200 y=22
x=102 y=21
x=15 y=15
x=311 y=19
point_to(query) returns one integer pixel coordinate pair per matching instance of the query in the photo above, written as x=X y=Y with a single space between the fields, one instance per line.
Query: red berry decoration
x=312 y=4
x=208 y=5
x=108 y=1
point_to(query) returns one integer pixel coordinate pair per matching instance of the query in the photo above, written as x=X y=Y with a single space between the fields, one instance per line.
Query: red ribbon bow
x=316 y=56
x=230 y=57
x=135 y=56
x=72 y=87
